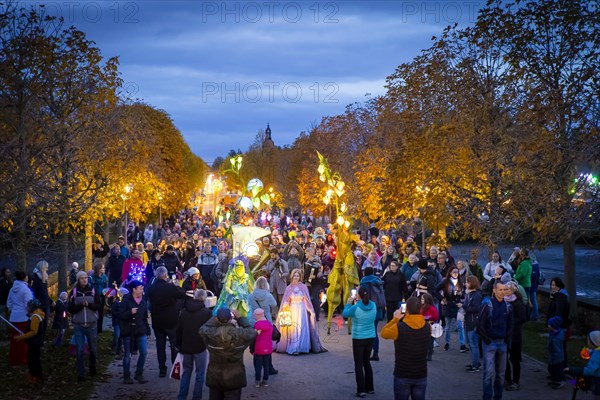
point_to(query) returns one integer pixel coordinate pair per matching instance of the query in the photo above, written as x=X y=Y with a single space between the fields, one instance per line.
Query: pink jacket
x=263 y=344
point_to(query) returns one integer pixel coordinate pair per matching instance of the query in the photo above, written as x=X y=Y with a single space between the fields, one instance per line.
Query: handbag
x=177 y=367
x=437 y=330
x=211 y=300
x=276 y=336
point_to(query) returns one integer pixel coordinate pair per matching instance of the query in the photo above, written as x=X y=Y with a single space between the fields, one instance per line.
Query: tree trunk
x=89 y=233
x=63 y=262
x=570 y=278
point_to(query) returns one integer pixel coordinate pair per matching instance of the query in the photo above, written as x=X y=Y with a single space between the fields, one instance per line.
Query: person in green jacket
x=363 y=312
x=523 y=274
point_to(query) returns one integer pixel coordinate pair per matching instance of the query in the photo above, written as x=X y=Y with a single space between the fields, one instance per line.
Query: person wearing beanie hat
x=84 y=303
x=226 y=343
x=35 y=340
x=193 y=280
x=263 y=348
x=134 y=327
x=592 y=368
x=556 y=354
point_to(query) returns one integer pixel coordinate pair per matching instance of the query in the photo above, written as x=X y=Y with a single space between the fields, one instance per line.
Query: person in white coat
x=18 y=297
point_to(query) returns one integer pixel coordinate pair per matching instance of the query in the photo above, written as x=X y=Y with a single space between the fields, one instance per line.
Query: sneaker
x=362 y=394
x=256 y=383
x=446 y=346
x=128 y=381
x=375 y=357
x=557 y=385
x=463 y=348
x=473 y=369
x=370 y=392
x=513 y=386
x=264 y=383
x=140 y=378
x=273 y=371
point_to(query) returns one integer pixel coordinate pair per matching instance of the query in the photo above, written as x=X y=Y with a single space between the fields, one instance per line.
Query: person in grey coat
x=278 y=272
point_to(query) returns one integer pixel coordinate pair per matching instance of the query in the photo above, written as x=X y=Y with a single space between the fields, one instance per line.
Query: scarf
x=510 y=298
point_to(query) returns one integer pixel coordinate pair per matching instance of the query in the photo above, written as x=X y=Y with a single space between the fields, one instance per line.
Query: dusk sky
x=223 y=70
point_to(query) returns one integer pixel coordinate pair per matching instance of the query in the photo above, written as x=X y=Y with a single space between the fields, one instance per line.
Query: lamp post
x=160 y=199
x=128 y=189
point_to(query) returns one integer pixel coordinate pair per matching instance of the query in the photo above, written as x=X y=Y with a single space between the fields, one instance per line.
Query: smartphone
x=403 y=308
x=353 y=292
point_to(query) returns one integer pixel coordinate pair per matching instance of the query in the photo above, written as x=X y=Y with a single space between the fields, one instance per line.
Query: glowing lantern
x=285 y=316
x=340 y=220
x=245 y=202
x=255 y=185
x=343 y=207
x=347 y=224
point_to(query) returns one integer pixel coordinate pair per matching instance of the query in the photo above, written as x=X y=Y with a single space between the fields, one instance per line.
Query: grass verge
x=535 y=342
x=60 y=376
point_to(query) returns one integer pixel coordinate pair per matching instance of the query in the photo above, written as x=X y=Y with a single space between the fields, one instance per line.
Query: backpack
x=376 y=294
x=541 y=278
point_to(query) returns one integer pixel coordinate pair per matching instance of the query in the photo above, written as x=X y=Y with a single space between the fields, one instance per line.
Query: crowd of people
x=161 y=281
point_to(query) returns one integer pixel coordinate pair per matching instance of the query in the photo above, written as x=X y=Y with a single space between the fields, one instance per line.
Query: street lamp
x=160 y=199
x=125 y=197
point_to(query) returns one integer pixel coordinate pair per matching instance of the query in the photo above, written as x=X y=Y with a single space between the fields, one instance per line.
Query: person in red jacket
x=263 y=347
x=133 y=268
x=430 y=313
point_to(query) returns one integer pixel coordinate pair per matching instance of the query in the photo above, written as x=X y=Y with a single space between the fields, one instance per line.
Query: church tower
x=268 y=142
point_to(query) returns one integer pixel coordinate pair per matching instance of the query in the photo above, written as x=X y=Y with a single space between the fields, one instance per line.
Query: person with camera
x=227 y=335
x=278 y=272
x=412 y=337
x=363 y=312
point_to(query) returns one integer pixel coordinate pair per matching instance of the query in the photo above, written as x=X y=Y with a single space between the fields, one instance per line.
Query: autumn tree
x=553 y=48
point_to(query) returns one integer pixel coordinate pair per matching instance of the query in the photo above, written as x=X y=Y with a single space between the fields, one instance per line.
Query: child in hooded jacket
x=263 y=347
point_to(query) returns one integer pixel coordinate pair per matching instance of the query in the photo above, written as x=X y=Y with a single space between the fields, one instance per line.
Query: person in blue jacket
x=363 y=314
x=592 y=368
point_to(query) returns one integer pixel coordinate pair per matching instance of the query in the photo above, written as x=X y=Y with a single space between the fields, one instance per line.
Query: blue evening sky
x=224 y=69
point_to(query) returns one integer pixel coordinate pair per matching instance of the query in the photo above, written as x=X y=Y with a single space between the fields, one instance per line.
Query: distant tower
x=268 y=142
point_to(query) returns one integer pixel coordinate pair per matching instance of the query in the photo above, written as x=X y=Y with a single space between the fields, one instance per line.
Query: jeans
x=81 y=333
x=361 y=350
x=451 y=324
x=117 y=342
x=262 y=362
x=535 y=313
x=494 y=366
x=142 y=346
x=473 y=341
x=161 y=343
x=405 y=388
x=189 y=360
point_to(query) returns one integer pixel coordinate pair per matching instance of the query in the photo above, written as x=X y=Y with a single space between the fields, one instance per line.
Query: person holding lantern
x=592 y=368
x=297 y=320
